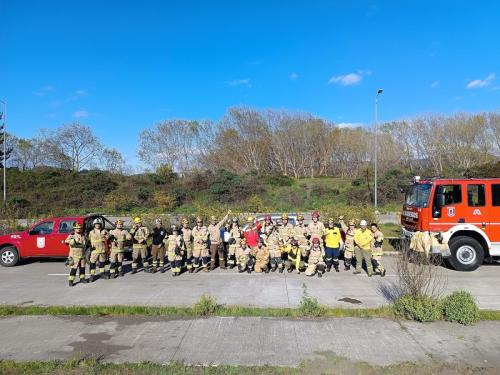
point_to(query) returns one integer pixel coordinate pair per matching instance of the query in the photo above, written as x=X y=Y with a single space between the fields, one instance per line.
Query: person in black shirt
x=157 y=248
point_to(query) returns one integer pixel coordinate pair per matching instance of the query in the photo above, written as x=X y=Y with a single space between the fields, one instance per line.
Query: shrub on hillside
x=460 y=307
x=278 y=180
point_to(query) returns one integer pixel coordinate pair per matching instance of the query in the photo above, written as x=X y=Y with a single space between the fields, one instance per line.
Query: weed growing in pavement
x=460 y=307
x=206 y=305
x=309 y=306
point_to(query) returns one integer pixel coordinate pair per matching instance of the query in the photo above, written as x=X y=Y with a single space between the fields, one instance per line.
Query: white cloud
x=347 y=79
x=350 y=124
x=294 y=76
x=81 y=93
x=44 y=90
x=478 y=83
x=434 y=84
x=239 y=82
x=81 y=114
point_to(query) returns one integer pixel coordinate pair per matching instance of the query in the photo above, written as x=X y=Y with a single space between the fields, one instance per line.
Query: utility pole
x=379 y=91
x=3 y=118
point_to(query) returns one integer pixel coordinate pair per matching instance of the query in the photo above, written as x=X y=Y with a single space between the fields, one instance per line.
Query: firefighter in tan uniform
x=316 y=228
x=349 y=242
x=235 y=235
x=98 y=237
x=187 y=237
x=301 y=234
x=262 y=257
x=76 y=260
x=274 y=245
x=216 y=245
x=244 y=258
x=378 y=240
x=268 y=223
x=140 y=235
x=363 y=238
x=117 y=237
x=176 y=249
x=201 y=255
x=316 y=263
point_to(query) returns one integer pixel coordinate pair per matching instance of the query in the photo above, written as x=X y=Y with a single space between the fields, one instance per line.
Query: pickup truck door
x=38 y=241
x=57 y=247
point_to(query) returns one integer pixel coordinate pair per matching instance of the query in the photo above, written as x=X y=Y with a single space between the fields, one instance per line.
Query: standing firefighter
x=117 y=237
x=216 y=244
x=251 y=234
x=235 y=236
x=316 y=263
x=349 y=231
x=273 y=242
x=157 y=248
x=176 y=250
x=316 y=228
x=294 y=259
x=201 y=256
x=363 y=248
x=301 y=234
x=378 y=240
x=187 y=237
x=139 y=234
x=285 y=231
x=333 y=243
x=76 y=260
x=98 y=237
x=262 y=257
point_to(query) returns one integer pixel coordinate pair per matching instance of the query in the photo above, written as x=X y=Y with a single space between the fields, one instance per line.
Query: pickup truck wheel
x=9 y=256
x=467 y=254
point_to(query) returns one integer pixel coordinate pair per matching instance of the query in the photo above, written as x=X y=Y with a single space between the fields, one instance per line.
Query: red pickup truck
x=45 y=239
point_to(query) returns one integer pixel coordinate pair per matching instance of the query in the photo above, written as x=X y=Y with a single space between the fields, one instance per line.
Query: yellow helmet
x=119 y=222
x=184 y=221
x=243 y=241
x=199 y=218
x=213 y=218
x=352 y=222
x=250 y=219
x=300 y=217
x=77 y=226
x=284 y=217
x=137 y=220
x=331 y=220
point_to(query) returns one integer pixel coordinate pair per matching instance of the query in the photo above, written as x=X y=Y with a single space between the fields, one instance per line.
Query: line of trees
x=276 y=142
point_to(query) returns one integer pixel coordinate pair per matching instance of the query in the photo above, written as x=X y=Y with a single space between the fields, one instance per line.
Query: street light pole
x=379 y=91
x=3 y=117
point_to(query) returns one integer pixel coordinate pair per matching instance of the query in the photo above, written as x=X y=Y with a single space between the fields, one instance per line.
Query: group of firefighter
x=261 y=247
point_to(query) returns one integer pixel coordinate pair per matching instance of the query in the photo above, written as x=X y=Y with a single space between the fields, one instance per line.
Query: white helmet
x=158 y=221
x=97 y=220
x=363 y=223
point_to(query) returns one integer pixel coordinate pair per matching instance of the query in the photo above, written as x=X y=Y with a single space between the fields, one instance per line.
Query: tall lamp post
x=3 y=116
x=379 y=92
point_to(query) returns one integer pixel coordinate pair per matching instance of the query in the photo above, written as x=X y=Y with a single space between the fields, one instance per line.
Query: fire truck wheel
x=467 y=254
x=9 y=256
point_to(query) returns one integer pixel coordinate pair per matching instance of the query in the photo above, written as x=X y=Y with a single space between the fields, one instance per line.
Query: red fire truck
x=463 y=214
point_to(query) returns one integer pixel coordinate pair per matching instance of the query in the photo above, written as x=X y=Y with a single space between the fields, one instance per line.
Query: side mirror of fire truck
x=440 y=202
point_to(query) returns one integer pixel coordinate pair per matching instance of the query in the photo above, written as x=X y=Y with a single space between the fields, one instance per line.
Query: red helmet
x=315 y=240
x=267 y=217
x=315 y=214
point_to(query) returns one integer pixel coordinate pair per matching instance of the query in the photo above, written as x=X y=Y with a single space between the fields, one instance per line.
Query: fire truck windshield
x=418 y=195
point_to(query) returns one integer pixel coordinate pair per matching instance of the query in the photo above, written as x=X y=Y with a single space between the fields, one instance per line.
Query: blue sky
x=122 y=66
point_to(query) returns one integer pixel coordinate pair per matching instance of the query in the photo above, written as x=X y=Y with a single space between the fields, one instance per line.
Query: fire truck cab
x=462 y=216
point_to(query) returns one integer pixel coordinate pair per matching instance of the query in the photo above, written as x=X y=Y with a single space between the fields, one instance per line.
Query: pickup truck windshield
x=418 y=195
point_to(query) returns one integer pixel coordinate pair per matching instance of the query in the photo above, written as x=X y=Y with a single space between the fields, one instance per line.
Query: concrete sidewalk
x=45 y=283
x=247 y=341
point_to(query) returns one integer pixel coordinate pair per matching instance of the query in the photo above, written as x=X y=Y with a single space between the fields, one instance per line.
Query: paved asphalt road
x=45 y=283
x=248 y=341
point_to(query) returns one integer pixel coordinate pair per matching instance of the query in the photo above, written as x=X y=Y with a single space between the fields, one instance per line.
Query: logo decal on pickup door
x=477 y=211
x=40 y=242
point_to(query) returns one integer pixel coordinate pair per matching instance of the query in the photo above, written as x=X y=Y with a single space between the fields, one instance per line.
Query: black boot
x=267 y=270
x=70 y=283
x=162 y=269
x=92 y=278
x=121 y=273
x=320 y=274
x=336 y=266
x=240 y=270
x=273 y=269
x=289 y=270
x=281 y=270
x=249 y=270
x=328 y=268
x=134 y=270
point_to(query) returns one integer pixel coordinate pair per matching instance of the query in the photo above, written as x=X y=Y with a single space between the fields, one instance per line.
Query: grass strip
x=237 y=311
